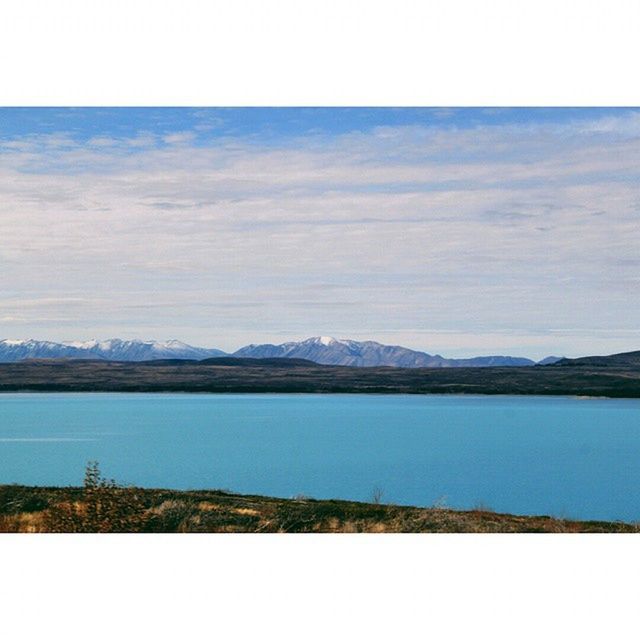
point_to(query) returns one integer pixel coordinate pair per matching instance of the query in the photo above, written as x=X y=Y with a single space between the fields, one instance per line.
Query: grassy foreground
x=108 y=508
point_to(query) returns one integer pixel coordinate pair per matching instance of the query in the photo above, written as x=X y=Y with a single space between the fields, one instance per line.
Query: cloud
x=101 y=141
x=182 y=137
x=424 y=229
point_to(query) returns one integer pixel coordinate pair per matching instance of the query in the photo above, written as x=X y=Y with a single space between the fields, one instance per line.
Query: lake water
x=565 y=457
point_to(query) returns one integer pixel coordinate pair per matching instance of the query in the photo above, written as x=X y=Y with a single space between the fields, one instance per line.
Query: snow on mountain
x=16 y=350
x=114 y=349
x=327 y=350
x=137 y=350
x=321 y=349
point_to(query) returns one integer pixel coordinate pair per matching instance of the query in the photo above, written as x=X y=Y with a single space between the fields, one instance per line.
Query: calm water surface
x=528 y=455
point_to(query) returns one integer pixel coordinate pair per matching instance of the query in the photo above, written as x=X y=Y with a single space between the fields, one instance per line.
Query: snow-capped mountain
x=127 y=350
x=16 y=350
x=326 y=350
x=322 y=349
x=137 y=350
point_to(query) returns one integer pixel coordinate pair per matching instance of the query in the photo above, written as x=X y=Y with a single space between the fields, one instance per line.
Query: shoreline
x=248 y=392
x=258 y=377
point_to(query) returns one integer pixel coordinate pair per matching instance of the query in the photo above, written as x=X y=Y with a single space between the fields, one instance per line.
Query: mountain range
x=120 y=350
x=326 y=350
x=322 y=349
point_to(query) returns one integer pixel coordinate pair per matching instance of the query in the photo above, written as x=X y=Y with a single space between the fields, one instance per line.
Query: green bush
x=105 y=507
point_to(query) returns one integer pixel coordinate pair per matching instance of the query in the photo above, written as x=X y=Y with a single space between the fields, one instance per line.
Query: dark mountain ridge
x=615 y=376
x=628 y=359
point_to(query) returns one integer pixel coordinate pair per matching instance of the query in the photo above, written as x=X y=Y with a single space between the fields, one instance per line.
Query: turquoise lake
x=565 y=457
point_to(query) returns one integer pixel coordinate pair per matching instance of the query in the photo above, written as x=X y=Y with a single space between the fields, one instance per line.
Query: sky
x=462 y=232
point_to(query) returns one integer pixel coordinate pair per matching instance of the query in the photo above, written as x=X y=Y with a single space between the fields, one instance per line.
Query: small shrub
x=105 y=507
x=483 y=508
x=440 y=504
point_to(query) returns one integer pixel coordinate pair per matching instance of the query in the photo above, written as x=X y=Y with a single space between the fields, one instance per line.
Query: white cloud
x=483 y=237
x=182 y=137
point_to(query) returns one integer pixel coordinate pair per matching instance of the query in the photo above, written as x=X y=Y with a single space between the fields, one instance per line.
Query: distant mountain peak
x=329 y=350
x=323 y=340
x=111 y=349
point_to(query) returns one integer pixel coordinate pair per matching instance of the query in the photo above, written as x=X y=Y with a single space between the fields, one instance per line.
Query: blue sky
x=454 y=231
x=272 y=124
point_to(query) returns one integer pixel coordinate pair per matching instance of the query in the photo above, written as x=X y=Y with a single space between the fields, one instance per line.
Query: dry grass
x=101 y=506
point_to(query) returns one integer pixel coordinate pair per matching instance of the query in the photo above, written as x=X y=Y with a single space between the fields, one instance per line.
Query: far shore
x=612 y=379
